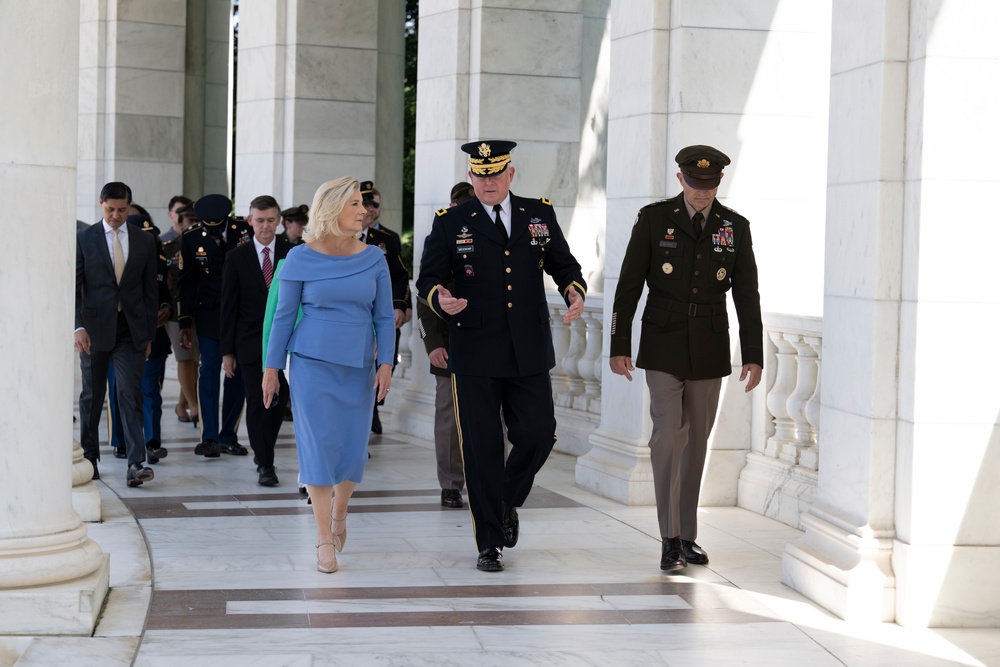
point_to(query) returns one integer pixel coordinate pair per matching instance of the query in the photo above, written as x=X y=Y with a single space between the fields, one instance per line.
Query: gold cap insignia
x=484 y=149
x=703 y=163
x=721 y=275
x=668 y=268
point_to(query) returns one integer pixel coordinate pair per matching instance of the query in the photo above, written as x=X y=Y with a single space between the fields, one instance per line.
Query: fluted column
x=131 y=106
x=53 y=578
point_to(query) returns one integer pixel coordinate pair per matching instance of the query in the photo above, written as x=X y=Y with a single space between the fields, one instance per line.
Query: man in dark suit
x=497 y=248
x=116 y=310
x=389 y=242
x=690 y=250
x=203 y=254
x=246 y=279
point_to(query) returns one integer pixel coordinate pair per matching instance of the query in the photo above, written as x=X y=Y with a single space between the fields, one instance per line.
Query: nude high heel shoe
x=326 y=566
x=339 y=536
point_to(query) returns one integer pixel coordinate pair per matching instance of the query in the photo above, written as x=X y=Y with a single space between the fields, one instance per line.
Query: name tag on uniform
x=668 y=244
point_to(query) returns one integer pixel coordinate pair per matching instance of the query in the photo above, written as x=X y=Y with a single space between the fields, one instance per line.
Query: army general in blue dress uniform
x=496 y=249
x=690 y=250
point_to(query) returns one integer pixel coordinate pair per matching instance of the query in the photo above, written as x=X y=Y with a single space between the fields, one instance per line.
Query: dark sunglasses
x=373 y=204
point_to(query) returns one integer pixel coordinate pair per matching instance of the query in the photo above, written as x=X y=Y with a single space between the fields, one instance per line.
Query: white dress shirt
x=109 y=236
x=504 y=213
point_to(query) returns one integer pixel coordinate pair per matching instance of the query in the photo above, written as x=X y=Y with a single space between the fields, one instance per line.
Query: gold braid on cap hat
x=495 y=166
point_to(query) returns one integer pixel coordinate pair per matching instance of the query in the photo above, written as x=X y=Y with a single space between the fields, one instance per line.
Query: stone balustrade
x=781 y=474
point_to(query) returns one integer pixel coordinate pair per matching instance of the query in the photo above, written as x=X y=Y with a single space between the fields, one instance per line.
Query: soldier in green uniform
x=294 y=220
x=690 y=250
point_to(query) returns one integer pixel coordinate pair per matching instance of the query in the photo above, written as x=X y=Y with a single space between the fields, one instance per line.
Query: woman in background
x=341 y=354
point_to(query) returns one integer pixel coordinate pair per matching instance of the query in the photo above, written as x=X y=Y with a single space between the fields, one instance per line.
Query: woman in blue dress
x=341 y=354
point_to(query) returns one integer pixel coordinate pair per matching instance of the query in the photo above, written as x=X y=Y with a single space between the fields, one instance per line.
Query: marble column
x=131 y=121
x=617 y=465
x=306 y=92
x=903 y=526
x=207 y=97
x=844 y=559
x=53 y=578
x=388 y=175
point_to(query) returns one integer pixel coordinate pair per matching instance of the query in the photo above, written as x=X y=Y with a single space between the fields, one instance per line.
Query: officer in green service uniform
x=690 y=251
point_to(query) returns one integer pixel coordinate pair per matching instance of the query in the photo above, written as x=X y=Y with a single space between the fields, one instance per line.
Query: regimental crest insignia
x=484 y=149
x=703 y=163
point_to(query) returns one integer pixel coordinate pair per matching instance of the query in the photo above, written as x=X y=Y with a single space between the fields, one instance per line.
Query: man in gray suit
x=116 y=308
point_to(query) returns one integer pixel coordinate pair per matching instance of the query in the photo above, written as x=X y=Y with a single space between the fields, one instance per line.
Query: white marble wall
x=306 y=96
x=53 y=577
x=131 y=101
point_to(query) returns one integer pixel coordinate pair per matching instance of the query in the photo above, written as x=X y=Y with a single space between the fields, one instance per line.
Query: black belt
x=690 y=309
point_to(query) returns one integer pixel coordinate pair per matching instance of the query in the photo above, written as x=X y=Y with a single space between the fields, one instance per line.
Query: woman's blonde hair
x=327 y=205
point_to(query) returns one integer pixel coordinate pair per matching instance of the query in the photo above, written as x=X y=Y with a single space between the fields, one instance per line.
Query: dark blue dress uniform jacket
x=391 y=245
x=504 y=331
x=200 y=281
x=685 y=325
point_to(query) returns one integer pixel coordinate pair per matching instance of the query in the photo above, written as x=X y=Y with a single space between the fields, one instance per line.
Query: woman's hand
x=383 y=378
x=269 y=386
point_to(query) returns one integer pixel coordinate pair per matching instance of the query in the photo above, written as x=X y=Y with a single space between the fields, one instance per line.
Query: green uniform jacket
x=685 y=326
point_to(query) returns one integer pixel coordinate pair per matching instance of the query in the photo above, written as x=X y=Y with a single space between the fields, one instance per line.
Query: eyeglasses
x=373 y=204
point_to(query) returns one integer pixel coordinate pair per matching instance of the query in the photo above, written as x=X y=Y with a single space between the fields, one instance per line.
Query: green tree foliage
x=409 y=128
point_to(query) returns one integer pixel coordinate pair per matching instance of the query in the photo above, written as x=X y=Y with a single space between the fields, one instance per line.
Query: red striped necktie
x=268 y=268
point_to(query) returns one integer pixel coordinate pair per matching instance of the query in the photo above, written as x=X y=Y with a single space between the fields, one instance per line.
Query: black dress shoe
x=266 y=476
x=120 y=453
x=376 y=422
x=154 y=452
x=288 y=413
x=208 y=449
x=694 y=554
x=490 y=560
x=234 y=448
x=673 y=555
x=511 y=526
x=451 y=498
x=137 y=474
x=97 y=475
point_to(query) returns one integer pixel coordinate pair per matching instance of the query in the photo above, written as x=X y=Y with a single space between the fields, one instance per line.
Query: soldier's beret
x=702 y=166
x=213 y=210
x=489 y=157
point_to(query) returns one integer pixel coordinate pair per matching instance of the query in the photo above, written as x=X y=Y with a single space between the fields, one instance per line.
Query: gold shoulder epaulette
x=546 y=201
x=440 y=212
x=193 y=227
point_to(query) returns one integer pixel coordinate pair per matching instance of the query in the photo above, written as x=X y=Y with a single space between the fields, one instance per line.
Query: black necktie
x=699 y=222
x=499 y=223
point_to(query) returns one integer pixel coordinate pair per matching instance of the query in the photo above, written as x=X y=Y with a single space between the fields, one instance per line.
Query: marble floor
x=209 y=569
